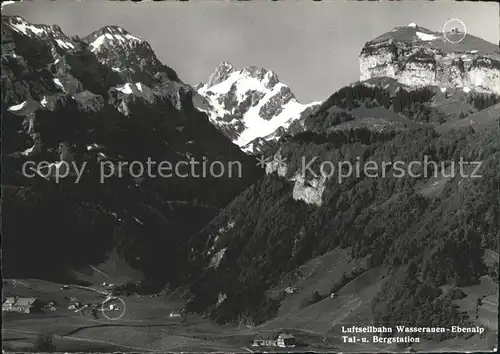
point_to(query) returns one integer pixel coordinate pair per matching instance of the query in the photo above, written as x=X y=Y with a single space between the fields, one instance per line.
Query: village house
x=20 y=304
x=284 y=340
x=175 y=314
x=264 y=341
x=8 y=303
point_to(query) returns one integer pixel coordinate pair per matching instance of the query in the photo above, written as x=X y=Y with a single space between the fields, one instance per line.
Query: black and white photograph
x=250 y=176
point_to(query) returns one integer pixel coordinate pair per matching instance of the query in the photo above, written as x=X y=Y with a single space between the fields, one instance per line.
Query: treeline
x=354 y=96
x=338 y=138
x=415 y=105
x=482 y=101
x=315 y=125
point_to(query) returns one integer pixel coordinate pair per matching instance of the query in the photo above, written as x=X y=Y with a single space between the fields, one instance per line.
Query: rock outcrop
x=249 y=104
x=418 y=57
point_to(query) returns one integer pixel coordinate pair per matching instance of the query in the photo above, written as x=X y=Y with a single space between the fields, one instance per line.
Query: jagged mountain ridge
x=109 y=56
x=127 y=55
x=418 y=57
x=62 y=101
x=250 y=103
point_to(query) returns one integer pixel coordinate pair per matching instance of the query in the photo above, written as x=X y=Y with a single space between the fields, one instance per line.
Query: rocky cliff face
x=419 y=57
x=249 y=103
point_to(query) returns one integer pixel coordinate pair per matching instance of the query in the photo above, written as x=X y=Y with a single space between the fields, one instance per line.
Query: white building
x=20 y=304
x=175 y=314
x=285 y=340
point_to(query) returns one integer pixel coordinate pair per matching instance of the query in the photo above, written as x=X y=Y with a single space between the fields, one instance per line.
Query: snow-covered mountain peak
x=225 y=71
x=248 y=103
x=131 y=58
x=111 y=36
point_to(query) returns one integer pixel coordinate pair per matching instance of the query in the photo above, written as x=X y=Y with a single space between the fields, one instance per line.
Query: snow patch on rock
x=59 y=83
x=65 y=45
x=426 y=37
x=114 y=38
x=17 y=107
x=24 y=27
x=126 y=88
x=28 y=151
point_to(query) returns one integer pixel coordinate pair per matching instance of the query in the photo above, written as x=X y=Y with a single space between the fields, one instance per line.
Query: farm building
x=175 y=314
x=283 y=340
x=264 y=341
x=8 y=303
x=20 y=304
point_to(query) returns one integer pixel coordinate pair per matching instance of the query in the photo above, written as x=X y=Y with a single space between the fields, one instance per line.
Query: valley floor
x=147 y=326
